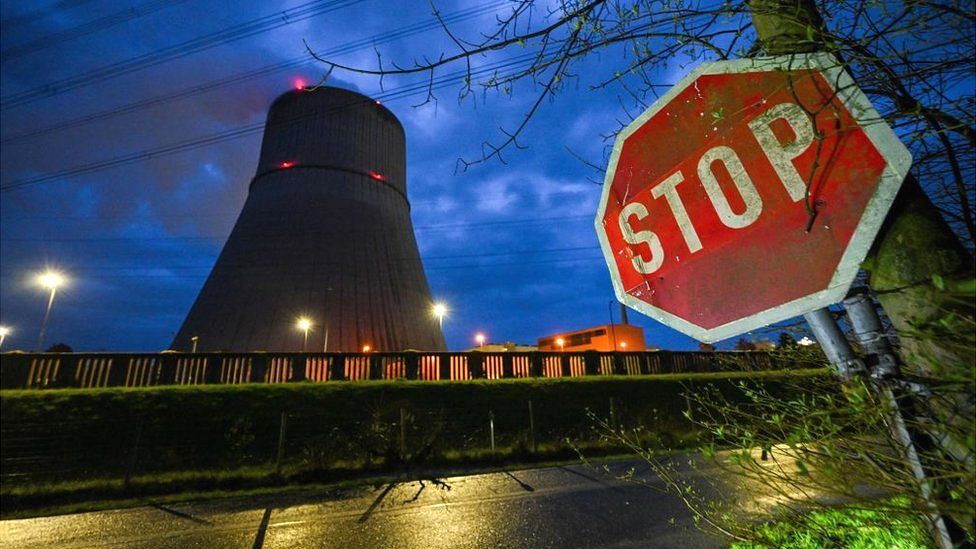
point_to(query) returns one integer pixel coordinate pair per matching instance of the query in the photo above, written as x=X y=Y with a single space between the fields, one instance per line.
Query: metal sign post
x=884 y=371
x=834 y=344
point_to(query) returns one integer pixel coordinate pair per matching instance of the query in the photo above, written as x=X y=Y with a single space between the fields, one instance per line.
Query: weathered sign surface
x=748 y=194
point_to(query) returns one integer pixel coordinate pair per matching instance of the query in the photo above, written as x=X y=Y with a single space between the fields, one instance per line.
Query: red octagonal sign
x=748 y=194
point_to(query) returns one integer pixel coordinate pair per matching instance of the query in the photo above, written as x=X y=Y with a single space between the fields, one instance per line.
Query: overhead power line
x=50 y=40
x=417 y=88
x=594 y=261
x=34 y=15
x=266 y=70
x=505 y=257
x=443 y=227
x=169 y=53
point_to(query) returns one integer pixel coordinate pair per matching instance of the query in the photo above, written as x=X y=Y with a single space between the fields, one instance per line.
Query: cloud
x=497 y=195
x=140 y=239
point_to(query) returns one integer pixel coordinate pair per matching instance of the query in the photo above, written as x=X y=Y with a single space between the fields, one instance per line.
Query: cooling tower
x=325 y=233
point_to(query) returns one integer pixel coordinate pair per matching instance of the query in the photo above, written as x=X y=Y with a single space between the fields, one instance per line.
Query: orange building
x=609 y=337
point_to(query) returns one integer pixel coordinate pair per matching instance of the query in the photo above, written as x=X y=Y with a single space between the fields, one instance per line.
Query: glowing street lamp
x=367 y=348
x=439 y=311
x=50 y=280
x=479 y=338
x=304 y=324
x=623 y=344
x=4 y=332
x=562 y=343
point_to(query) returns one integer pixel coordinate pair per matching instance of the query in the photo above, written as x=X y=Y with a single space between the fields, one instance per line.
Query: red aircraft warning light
x=377 y=176
x=748 y=194
x=286 y=165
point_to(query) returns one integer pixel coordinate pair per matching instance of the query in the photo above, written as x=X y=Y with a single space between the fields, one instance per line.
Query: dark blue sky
x=509 y=247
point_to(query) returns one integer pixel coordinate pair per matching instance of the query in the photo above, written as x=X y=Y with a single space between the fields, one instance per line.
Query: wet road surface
x=554 y=507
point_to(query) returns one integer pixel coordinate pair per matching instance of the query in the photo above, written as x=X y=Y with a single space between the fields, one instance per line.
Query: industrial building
x=325 y=235
x=609 y=337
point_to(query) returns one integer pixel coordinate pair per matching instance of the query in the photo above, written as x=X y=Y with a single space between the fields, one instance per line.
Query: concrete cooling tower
x=325 y=234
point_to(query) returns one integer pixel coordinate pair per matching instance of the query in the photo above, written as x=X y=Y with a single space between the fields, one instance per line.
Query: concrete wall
x=325 y=233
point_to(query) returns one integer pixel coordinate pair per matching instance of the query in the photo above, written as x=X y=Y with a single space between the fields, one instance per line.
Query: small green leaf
x=802 y=468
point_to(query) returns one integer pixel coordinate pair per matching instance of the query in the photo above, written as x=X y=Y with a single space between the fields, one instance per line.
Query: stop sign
x=747 y=194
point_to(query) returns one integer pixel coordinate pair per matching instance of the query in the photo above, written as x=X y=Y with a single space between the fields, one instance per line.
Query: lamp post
x=304 y=324
x=562 y=343
x=50 y=280
x=439 y=311
x=479 y=338
x=194 y=340
x=613 y=331
x=4 y=331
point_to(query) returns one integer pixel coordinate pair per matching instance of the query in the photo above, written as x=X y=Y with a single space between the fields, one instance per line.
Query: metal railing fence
x=94 y=370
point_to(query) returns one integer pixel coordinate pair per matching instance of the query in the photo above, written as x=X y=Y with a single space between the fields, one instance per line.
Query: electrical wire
x=595 y=261
x=176 y=51
x=401 y=92
x=50 y=40
x=295 y=62
x=444 y=227
x=41 y=13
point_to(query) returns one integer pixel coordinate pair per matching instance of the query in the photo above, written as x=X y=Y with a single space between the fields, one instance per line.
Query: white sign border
x=898 y=160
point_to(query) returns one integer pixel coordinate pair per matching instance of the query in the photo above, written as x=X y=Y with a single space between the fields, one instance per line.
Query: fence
x=50 y=436
x=92 y=370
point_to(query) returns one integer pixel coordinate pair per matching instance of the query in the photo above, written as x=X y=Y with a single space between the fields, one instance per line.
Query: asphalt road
x=555 y=507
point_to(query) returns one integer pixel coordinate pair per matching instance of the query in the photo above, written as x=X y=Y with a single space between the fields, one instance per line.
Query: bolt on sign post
x=748 y=194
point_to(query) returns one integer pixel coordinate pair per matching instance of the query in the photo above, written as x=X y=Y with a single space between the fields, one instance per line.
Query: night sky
x=89 y=84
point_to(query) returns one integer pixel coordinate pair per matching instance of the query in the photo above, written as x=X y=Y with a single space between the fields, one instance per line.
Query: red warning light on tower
x=377 y=176
x=286 y=165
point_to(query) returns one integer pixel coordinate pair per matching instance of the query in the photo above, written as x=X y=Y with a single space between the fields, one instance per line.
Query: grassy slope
x=224 y=437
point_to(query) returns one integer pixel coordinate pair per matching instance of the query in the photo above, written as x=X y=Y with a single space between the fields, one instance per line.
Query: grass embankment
x=850 y=527
x=64 y=447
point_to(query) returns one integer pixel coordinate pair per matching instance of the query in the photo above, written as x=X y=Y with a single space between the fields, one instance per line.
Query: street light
x=304 y=324
x=4 y=332
x=367 y=348
x=562 y=343
x=439 y=311
x=49 y=280
x=479 y=338
x=194 y=340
